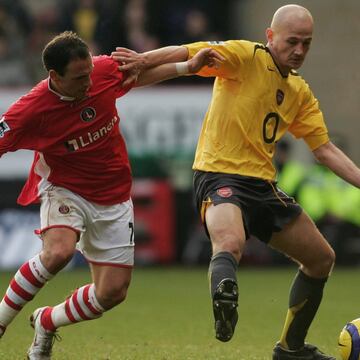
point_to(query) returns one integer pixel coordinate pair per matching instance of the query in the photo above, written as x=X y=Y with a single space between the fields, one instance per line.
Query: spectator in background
x=15 y=24
x=333 y=204
x=138 y=34
x=105 y=24
x=191 y=20
x=45 y=22
x=290 y=173
x=82 y=17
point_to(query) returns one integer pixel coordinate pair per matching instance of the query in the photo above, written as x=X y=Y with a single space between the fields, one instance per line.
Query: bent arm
x=205 y=57
x=157 y=74
x=334 y=159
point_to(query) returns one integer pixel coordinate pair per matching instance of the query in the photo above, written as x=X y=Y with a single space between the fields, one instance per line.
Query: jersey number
x=131 y=228
x=271 y=122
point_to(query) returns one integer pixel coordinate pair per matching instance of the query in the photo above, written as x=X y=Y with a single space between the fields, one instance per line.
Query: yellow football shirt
x=252 y=107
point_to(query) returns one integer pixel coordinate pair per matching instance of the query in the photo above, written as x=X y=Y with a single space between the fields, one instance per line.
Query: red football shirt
x=78 y=145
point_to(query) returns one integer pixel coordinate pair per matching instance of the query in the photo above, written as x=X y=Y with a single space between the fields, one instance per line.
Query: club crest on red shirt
x=279 y=96
x=64 y=209
x=4 y=127
x=88 y=114
x=224 y=192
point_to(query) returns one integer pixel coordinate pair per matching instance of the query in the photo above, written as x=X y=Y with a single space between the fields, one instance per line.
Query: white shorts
x=106 y=233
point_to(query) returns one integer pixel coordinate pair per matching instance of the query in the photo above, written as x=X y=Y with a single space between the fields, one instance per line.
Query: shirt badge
x=224 y=192
x=64 y=209
x=279 y=96
x=88 y=114
x=4 y=127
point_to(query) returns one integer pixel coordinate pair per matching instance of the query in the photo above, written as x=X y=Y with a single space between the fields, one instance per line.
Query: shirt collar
x=271 y=64
x=62 y=97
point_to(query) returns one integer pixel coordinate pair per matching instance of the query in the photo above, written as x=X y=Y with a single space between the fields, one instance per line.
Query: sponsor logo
x=88 y=114
x=216 y=42
x=90 y=137
x=279 y=96
x=224 y=192
x=4 y=127
x=37 y=271
x=64 y=209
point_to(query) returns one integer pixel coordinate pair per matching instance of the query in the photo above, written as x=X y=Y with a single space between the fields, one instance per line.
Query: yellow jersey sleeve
x=236 y=53
x=309 y=123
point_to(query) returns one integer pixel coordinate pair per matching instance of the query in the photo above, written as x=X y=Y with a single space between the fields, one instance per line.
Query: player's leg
x=58 y=249
x=225 y=227
x=108 y=245
x=86 y=303
x=91 y=300
x=302 y=241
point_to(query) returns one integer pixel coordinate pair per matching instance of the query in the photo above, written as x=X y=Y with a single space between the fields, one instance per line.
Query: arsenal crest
x=224 y=192
x=88 y=114
x=279 y=96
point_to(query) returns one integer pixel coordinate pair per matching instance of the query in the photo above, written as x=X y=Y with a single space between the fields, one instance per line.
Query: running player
x=258 y=97
x=81 y=175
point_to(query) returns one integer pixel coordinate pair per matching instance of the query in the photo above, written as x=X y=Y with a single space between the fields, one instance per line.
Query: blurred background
x=161 y=123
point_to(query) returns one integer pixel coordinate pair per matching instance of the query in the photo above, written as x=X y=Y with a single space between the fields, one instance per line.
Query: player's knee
x=113 y=296
x=328 y=261
x=231 y=245
x=55 y=258
x=324 y=264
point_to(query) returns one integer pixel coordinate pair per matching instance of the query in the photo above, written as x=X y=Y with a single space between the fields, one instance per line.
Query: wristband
x=182 y=68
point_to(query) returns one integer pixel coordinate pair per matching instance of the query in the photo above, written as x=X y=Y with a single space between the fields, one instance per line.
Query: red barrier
x=154 y=221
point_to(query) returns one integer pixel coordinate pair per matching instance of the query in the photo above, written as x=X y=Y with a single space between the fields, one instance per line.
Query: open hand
x=128 y=59
x=130 y=62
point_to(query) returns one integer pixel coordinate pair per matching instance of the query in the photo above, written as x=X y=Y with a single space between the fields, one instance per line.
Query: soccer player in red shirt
x=81 y=176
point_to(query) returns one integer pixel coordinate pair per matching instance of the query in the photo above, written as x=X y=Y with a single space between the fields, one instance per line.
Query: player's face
x=289 y=46
x=76 y=81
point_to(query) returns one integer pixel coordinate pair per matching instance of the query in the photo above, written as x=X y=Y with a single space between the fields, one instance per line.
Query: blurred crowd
x=331 y=202
x=142 y=25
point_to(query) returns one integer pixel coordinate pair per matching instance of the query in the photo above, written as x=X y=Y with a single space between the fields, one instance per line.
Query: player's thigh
x=60 y=239
x=225 y=226
x=303 y=242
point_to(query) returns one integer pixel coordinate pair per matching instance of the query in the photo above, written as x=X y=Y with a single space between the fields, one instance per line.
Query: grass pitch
x=168 y=316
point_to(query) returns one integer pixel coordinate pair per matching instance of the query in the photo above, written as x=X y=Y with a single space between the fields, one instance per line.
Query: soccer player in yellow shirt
x=258 y=96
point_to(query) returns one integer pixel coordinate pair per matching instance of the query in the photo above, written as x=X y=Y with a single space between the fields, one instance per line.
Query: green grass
x=167 y=316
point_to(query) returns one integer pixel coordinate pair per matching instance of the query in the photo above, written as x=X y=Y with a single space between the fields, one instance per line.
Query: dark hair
x=62 y=49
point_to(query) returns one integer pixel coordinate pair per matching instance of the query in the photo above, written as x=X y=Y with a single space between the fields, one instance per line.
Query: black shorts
x=265 y=208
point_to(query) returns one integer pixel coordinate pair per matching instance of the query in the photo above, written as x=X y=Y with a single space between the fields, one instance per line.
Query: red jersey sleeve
x=18 y=128
x=106 y=65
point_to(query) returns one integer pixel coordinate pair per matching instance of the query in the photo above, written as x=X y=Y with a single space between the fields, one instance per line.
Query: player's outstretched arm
x=130 y=59
x=333 y=158
x=205 y=57
x=133 y=63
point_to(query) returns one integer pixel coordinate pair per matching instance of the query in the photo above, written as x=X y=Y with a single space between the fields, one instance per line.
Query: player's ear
x=269 y=34
x=54 y=76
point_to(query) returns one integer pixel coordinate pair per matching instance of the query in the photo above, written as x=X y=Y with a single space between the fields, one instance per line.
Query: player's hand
x=128 y=59
x=130 y=62
x=205 y=57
